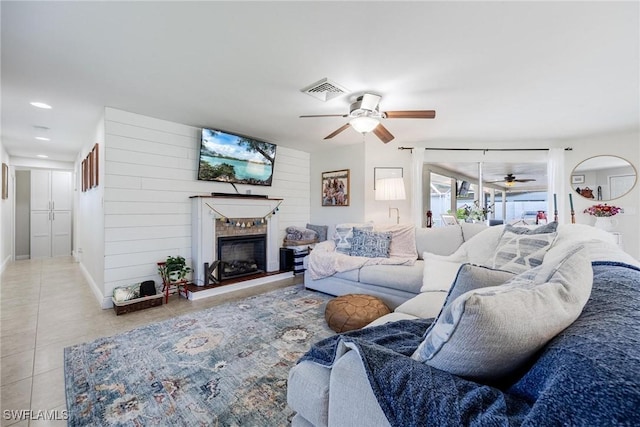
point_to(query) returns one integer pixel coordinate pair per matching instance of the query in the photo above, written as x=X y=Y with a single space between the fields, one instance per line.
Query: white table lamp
x=391 y=189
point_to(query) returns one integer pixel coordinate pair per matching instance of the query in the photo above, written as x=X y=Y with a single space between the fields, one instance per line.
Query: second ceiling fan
x=510 y=179
x=365 y=117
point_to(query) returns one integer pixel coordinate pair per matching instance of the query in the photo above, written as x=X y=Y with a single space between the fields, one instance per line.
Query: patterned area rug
x=225 y=366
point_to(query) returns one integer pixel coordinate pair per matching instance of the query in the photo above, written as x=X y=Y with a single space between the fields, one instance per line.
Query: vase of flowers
x=604 y=216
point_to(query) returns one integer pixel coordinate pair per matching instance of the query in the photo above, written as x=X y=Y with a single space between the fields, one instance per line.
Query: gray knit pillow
x=320 y=229
x=471 y=277
x=487 y=333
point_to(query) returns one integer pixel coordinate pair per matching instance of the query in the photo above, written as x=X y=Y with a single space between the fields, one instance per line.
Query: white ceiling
x=493 y=71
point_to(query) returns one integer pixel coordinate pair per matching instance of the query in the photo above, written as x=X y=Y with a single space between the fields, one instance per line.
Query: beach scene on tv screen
x=231 y=158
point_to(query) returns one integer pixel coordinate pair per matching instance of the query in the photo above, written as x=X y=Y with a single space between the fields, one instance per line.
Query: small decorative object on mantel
x=604 y=214
x=245 y=222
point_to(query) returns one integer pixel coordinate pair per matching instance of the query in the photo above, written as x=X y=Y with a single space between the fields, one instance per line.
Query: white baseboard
x=21 y=257
x=6 y=261
x=193 y=296
x=105 y=302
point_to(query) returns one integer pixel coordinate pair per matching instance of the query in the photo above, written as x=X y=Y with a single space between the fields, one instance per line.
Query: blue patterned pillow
x=344 y=234
x=521 y=249
x=370 y=244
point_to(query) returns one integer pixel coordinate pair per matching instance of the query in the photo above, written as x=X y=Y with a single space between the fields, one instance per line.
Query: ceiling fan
x=510 y=180
x=365 y=117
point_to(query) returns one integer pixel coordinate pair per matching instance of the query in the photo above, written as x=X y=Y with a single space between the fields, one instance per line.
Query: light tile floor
x=47 y=305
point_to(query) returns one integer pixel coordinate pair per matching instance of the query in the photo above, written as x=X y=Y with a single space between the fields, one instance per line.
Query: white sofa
x=342 y=394
x=395 y=284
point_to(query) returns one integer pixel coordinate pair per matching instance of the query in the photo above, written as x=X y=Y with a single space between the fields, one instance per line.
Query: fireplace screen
x=241 y=255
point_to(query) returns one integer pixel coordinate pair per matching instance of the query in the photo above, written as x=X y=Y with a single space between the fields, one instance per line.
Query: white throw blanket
x=324 y=261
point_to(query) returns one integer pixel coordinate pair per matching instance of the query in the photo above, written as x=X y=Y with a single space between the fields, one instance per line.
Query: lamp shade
x=390 y=189
x=364 y=124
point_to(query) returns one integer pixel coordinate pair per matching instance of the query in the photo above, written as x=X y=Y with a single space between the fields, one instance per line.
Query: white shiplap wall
x=150 y=172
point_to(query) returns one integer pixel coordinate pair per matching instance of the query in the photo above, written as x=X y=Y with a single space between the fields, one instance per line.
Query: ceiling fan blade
x=382 y=133
x=324 y=115
x=337 y=131
x=524 y=180
x=415 y=114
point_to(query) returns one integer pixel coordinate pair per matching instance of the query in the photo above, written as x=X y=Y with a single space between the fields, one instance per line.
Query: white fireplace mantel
x=204 y=239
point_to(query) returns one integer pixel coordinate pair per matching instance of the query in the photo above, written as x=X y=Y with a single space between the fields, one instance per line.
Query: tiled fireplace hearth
x=217 y=220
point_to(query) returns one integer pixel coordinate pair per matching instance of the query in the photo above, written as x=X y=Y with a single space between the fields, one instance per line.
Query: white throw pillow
x=438 y=274
x=424 y=305
x=490 y=332
x=403 y=240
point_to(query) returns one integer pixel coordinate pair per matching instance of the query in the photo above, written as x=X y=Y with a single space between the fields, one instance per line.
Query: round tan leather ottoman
x=353 y=311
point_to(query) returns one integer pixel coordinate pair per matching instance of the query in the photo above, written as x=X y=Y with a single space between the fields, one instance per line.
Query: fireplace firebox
x=241 y=255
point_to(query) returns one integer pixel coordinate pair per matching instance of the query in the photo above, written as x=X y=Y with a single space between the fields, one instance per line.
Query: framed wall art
x=95 y=166
x=577 y=179
x=335 y=188
x=386 y=172
x=90 y=162
x=5 y=181
x=449 y=219
x=85 y=174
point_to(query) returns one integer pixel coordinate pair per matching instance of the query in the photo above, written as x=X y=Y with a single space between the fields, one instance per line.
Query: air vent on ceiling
x=324 y=89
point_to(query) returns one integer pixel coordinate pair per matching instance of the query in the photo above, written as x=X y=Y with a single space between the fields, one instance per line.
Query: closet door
x=40 y=234
x=51 y=202
x=40 y=190
x=60 y=233
x=61 y=197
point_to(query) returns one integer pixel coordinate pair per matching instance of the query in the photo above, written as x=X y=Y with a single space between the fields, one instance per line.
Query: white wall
x=627 y=146
x=6 y=215
x=88 y=226
x=150 y=171
x=350 y=157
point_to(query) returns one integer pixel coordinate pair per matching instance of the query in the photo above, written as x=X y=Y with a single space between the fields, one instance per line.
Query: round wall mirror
x=603 y=178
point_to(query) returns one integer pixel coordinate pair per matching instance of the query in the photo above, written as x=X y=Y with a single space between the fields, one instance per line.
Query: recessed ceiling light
x=42 y=138
x=41 y=105
x=43 y=156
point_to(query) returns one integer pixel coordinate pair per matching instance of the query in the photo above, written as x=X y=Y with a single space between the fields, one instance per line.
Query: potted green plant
x=173 y=270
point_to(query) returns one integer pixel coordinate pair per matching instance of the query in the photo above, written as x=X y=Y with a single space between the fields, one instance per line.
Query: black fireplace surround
x=241 y=255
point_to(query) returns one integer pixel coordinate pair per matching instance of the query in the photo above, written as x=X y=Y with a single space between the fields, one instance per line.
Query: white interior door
x=40 y=190
x=61 y=233
x=40 y=234
x=51 y=207
x=61 y=190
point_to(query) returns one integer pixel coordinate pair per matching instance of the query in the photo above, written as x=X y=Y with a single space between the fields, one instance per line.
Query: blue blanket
x=588 y=375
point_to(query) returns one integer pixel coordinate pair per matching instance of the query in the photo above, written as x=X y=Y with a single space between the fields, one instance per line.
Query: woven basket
x=136 y=304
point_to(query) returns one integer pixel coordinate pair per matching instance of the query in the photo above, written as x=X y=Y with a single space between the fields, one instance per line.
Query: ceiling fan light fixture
x=509 y=183
x=364 y=124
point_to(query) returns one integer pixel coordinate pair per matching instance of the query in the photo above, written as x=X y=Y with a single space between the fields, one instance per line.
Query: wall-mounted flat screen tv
x=227 y=157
